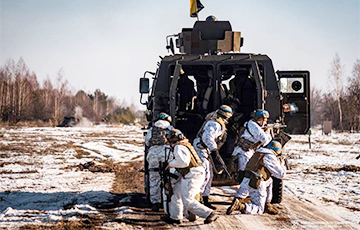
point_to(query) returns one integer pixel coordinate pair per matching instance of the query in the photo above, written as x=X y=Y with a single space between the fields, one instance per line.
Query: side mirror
x=144 y=85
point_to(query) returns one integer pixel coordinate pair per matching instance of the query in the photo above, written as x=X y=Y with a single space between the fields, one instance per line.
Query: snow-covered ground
x=40 y=178
x=327 y=173
x=41 y=181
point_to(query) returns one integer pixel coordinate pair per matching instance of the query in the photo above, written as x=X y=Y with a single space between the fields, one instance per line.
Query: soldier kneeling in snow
x=261 y=166
x=187 y=162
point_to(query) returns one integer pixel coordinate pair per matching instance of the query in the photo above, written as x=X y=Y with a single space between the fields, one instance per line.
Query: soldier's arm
x=210 y=135
x=181 y=157
x=273 y=165
x=259 y=134
x=148 y=136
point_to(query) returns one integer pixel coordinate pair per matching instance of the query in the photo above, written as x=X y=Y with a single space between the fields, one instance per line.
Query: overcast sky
x=109 y=44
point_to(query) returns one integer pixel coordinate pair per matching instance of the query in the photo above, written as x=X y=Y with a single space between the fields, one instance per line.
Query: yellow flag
x=195 y=7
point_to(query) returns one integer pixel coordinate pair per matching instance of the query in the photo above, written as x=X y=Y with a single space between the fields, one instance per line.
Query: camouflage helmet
x=174 y=135
x=276 y=146
x=164 y=116
x=260 y=114
x=225 y=111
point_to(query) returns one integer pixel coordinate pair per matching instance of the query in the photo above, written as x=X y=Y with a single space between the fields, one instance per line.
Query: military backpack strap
x=222 y=138
x=194 y=158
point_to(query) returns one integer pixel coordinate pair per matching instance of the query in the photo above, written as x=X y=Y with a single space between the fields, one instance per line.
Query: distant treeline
x=340 y=105
x=23 y=99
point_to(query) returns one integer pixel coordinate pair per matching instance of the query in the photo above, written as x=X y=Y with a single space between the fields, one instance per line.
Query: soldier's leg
x=190 y=187
x=269 y=188
x=206 y=191
x=269 y=208
x=176 y=204
x=154 y=179
x=241 y=194
x=258 y=198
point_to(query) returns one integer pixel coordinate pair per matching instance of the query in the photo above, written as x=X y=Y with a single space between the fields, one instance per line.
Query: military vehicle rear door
x=294 y=88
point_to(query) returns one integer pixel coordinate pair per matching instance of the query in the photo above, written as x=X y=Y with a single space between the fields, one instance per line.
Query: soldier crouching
x=187 y=162
x=261 y=166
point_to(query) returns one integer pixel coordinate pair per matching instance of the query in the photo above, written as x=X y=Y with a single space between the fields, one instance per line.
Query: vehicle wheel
x=277 y=190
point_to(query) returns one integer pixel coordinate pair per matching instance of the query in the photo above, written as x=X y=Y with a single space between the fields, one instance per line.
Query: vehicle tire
x=277 y=190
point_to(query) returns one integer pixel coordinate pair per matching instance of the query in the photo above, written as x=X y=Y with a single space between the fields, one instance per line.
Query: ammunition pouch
x=247 y=145
x=240 y=176
x=255 y=179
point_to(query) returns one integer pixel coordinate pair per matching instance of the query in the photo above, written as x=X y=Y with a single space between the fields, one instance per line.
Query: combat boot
x=207 y=203
x=211 y=218
x=269 y=208
x=169 y=220
x=236 y=205
x=191 y=216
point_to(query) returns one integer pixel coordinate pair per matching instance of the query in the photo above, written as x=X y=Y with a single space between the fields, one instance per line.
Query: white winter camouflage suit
x=187 y=187
x=155 y=155
x=259 y=196
x=258 y=135
x=212 y=130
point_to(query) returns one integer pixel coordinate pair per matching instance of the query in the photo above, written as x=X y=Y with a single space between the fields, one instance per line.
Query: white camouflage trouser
x=155 y=155
x=209 y=173
x=258 y=196
x=184 y=195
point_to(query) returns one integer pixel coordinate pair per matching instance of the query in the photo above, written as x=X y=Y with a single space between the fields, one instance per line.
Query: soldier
x=210 y=138
x=156 y=141
x=261 y=166
x=252 y=138
x=188 y=163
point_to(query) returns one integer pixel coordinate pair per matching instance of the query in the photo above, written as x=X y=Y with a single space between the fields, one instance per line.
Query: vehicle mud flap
x=277 y=190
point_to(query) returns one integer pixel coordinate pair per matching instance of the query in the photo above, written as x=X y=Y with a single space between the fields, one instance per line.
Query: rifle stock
x=216 y=155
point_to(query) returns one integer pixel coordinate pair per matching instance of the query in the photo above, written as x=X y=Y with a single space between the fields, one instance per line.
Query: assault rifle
x=274 y=126
x=287 y=165
x=164 y=180
x=218 y=163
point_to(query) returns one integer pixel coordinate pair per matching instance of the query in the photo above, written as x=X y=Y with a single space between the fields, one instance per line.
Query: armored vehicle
x=209 y=70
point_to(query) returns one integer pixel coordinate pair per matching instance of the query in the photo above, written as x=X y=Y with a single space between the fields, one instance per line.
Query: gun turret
x=209 y=37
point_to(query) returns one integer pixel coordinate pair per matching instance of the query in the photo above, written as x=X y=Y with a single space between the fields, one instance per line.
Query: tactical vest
x=220 y=140
x=256 y=170
x=194 y=158
x=158 y=136
x=246 y=144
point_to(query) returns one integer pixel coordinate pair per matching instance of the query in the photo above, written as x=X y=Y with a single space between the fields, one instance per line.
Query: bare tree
x=354 y=97
x=59 y=95
x=336 y=73
x=315 y=106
